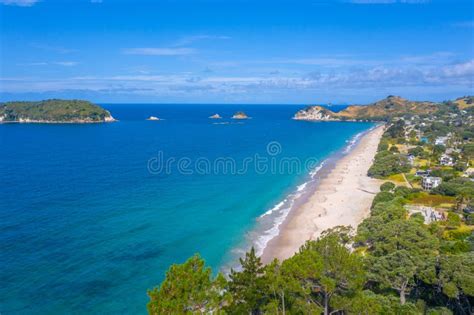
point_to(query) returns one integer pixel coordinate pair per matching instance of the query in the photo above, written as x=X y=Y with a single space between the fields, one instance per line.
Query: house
x=441 y=141
x=423 y=173
x=429 y=182
x=411 y=159
x=446 y=160
x=429 y=214
x=469 y=172
x=468 y=210
x=453 y=150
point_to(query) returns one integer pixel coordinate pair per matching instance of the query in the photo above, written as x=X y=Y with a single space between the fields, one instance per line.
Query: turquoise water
x=85 y=227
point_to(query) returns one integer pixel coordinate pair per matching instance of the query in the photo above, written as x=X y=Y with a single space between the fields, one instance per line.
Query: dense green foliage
x=387 y=163
x=188 y=288
x=53 y=111
x=401 y=271
x=387 y=186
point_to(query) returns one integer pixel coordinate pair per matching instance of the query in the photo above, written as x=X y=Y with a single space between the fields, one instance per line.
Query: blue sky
x=301 y=52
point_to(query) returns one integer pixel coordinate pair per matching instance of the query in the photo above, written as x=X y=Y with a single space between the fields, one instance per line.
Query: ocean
x=92 y=215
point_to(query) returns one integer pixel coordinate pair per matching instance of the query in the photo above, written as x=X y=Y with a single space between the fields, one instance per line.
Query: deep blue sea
x=89 y=218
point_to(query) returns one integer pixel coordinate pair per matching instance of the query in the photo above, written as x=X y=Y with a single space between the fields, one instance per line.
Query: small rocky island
x=315 y=113
x=215 y=116
x=53 y=111
x=153 y=118
x=240 y=115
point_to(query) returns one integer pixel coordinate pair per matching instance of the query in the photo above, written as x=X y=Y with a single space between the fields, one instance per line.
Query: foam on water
x=352 y=142
x=273 y=218
x=275 y=208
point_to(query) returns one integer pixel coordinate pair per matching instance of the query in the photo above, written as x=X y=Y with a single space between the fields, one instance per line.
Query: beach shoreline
x=342 y=196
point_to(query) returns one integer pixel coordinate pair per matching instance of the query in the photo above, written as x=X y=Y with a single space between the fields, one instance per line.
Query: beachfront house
x=429 y=214
x=446 y=160
x=428 y=182
x=441 y=141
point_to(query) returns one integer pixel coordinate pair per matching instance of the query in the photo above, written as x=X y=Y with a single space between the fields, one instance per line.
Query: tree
x=387 y=186
x=438 y=149
x=187 y=288
x=389 y=211
x=278 y=288
x=453 y=220
x=402 y=191
x=247 y=286
x=396 y=130
x=304 y=271
x=403 y=235
x=456 y=275
x=387 y=163
x=342 y=273
x=417 y=151
x=383 y=196
x=396 y=271
x=383 y=145
x=394 y=149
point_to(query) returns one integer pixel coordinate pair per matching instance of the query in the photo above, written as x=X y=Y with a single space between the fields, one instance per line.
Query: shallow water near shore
x=87 y=227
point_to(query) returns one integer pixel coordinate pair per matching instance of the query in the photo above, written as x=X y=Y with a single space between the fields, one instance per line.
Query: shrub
x=383 y=196
x=387 y=186
x=387 y=163
x=394 y=149
x=453 y=221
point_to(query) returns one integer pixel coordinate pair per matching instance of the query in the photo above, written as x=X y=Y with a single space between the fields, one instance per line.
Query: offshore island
x=53 y=111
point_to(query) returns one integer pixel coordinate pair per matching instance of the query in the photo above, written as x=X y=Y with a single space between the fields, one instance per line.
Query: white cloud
x=20 y=3
x=192 y=39
x=391 y=77
x=153 y=51
x=460 y=70
x=66 y=63
x=33 y=64
x=57 y=63
x=56 y=49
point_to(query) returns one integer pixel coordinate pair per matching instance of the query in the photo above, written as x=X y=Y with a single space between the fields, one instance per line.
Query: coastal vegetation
x=393 y=264
x=383 y=110
x=55 y=110
x=414 y=254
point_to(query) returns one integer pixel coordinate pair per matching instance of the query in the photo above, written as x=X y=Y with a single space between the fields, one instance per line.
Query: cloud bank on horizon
x=203 y=51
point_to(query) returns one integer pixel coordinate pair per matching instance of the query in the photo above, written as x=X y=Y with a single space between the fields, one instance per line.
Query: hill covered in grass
x=54 y=111
x=383 y=110
x=464 y=102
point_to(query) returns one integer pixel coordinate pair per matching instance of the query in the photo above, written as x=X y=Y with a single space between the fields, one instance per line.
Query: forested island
x=414 y=254
x=53 y=111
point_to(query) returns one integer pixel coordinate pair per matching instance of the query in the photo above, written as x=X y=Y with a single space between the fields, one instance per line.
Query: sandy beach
x=342 y=197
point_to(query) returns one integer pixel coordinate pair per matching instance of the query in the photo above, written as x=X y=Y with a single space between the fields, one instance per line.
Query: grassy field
x=426 y=199
x=397 y=178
